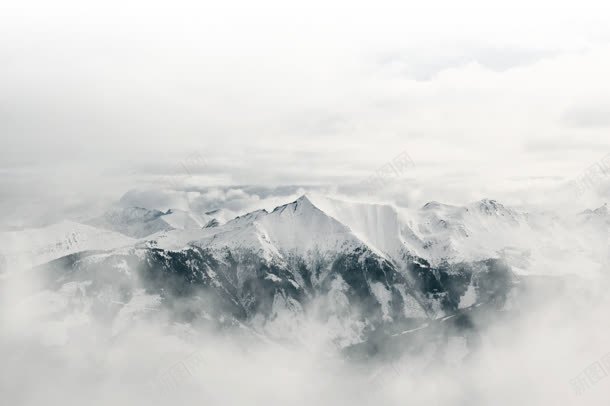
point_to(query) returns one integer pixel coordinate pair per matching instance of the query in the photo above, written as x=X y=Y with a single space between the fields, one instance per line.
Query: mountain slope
x=275 y=272
x=30 y=247
x=320 y=269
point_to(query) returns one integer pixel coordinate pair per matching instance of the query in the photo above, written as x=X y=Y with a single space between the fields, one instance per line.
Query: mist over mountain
x=304 y=203
x=370 y=283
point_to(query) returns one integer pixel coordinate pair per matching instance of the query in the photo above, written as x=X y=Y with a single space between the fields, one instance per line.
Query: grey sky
x=100 y=98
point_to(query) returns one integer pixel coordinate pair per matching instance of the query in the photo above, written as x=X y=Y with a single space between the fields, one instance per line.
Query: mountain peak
x=304 y=200
x=431 y=205
x=302 y=203
x=434 y=205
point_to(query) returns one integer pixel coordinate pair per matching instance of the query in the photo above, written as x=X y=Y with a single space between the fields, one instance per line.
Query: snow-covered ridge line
x=436 y=232
x=31 y=247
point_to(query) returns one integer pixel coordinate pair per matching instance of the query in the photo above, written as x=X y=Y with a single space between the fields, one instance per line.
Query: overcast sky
x=487 y=97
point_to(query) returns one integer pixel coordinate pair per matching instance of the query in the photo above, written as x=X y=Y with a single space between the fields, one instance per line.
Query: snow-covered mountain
x=30 y=247
x=478 y=229
x=362 y=270
x=436 y=232
x=535 y=243
x=538 y=243
x=138 y=222
x=270 y=271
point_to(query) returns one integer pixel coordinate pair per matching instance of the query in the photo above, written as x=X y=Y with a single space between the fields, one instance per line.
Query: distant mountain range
x=361 y=270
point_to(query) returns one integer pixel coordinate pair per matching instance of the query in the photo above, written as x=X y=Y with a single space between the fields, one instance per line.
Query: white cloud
x=284 y=94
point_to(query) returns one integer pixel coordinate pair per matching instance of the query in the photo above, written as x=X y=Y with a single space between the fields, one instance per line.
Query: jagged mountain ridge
x=268 y=270
x=436 y=232
x=359 y=268
x=138 y=222
x=534 y=243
